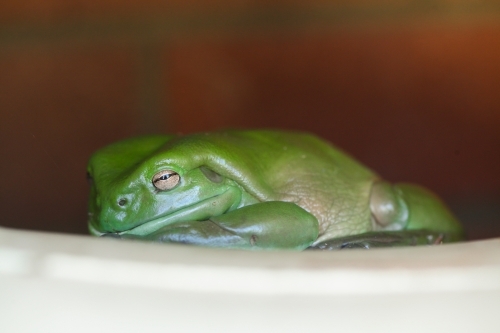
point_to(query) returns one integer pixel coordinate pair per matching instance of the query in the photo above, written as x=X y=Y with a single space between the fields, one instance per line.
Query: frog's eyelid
x=211 y=174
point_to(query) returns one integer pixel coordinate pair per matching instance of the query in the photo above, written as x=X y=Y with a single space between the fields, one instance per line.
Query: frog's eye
x=166 y=180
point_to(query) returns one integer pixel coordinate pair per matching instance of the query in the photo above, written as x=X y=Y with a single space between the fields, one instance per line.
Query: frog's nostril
x=122 y=202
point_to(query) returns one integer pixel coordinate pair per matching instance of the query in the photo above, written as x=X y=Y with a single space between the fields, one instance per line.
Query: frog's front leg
x=267 y=225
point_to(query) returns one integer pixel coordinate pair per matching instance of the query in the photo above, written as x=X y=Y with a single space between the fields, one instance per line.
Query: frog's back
x=320 y=178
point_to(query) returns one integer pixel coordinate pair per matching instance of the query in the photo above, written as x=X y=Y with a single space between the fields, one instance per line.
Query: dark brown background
x=411 y=88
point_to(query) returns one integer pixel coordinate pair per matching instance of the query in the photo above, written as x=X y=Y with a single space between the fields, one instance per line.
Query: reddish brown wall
x=412 y=90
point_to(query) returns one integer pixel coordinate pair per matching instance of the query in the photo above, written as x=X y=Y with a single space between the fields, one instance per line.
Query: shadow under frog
x=256 y=190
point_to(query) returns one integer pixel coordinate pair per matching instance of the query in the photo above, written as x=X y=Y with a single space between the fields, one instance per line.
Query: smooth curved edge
x=68 y=283
x=458 y=268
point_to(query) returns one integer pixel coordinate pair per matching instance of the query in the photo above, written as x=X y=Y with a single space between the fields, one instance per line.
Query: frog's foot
x=110 y=235
x=266 y=225
x=377 y=239
x=205 y=233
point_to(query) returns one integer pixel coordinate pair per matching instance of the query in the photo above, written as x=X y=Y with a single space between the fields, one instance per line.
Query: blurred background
x=410 y=88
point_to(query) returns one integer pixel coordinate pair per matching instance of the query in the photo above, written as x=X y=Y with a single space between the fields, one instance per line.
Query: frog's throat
x=214 y=206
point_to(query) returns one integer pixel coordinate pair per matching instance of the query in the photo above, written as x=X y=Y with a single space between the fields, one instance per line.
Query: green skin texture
x=252 y=190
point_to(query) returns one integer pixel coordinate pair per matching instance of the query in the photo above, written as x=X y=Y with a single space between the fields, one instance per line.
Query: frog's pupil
x=165 y=177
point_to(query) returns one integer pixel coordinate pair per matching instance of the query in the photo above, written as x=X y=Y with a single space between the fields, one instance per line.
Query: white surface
x=64 y=283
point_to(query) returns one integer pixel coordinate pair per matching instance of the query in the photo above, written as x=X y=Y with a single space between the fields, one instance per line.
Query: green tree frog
x=258 y=189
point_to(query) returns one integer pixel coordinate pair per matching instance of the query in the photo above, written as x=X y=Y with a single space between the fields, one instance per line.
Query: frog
x=256 y=190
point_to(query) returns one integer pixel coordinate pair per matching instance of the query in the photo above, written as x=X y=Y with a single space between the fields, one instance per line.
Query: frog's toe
x=111 y=235
x=388 y=209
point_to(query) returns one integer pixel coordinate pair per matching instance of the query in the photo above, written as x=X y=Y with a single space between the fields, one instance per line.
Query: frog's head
x=139 y=186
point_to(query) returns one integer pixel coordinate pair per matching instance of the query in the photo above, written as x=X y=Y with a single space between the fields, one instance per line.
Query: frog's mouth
x=202 y=210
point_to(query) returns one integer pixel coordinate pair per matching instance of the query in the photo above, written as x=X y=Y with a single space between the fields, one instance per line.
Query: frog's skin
x=255 y=190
